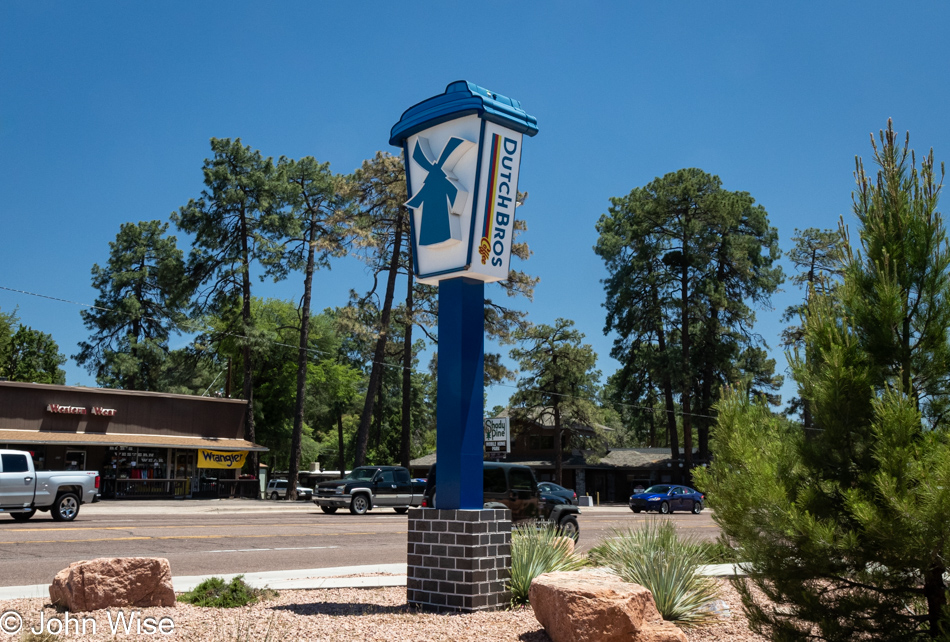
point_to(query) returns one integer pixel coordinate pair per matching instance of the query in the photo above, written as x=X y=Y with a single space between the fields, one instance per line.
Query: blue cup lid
x=462 y=98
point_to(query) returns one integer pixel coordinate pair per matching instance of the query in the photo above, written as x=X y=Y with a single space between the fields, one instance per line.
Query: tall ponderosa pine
x=143 y=294
x=559 y=382
x=844 y=527
x=686 y=259
x=312 y=203
x=235 y=224
x=378 y=190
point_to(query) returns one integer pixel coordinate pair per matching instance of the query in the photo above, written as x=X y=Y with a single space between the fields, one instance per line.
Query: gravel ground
x=333 y=614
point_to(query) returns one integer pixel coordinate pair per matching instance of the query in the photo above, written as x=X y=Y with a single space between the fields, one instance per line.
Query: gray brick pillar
x=459 y=560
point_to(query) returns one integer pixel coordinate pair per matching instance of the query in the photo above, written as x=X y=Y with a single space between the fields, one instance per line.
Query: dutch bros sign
x=462 y=151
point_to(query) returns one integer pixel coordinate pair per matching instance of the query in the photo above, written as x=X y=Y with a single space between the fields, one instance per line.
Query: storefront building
x=144 y=444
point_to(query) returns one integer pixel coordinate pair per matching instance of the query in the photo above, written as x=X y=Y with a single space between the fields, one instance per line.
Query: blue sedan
x=666 y=498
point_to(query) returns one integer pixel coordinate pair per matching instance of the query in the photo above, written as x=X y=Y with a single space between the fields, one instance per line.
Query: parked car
x=553 y=489
x=277 y=489
x=554 y=499
x=24 y=490
x=666 y=498
x=368 y=487
x=514 y=487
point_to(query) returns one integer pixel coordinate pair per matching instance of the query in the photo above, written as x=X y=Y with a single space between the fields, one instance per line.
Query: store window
x=75 y=460
x=129 y=462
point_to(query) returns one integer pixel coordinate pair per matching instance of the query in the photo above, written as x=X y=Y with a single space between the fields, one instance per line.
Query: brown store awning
x=27 y=437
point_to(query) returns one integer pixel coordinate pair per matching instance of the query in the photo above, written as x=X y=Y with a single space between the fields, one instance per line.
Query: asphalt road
x=238 y=536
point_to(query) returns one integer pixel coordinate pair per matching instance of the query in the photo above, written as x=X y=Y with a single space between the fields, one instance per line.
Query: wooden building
x=144 y=444
x=589 y=467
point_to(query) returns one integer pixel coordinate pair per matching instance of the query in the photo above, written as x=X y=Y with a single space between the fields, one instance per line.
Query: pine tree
x=558 y=386
x=316 y=233
x=142 y=298
x=235 y=224
x=378 y=191
x=844 y=527
x=818 y=259
x=687 y=260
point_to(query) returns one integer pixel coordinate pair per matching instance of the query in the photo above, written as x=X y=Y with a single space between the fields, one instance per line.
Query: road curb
x=314 y=578
x=298 y=579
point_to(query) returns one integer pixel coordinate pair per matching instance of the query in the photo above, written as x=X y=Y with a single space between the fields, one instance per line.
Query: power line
x=192 y=326
x=184 y=328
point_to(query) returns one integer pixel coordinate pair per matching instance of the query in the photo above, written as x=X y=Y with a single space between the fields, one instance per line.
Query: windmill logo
x=441 y=200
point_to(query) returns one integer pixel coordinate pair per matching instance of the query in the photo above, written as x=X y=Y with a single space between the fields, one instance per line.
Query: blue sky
x=106 y=110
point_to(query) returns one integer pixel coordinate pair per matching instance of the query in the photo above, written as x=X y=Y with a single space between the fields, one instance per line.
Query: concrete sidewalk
x=314 y=578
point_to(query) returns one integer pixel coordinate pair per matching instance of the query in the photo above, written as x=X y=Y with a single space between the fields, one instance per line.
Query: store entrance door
x=184 y=472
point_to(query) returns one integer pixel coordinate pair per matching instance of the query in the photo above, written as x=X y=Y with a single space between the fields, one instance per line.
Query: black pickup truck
x=368 y=487
x=515 y=487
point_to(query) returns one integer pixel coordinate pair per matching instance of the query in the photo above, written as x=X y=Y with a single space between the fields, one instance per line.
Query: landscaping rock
x=567 y=543
x=113 y=582
x=584 y=606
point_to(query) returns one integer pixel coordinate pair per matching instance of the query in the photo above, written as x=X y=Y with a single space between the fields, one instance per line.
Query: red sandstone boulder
x=584 y=606
x=113 y=582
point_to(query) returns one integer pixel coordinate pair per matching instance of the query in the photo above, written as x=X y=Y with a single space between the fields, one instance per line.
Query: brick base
x=459 y=560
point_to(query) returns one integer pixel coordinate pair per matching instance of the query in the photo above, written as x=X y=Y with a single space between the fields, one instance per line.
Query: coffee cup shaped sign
x=462 y=151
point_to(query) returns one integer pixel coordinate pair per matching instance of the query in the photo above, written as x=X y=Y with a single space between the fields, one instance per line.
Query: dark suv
x=514 y=487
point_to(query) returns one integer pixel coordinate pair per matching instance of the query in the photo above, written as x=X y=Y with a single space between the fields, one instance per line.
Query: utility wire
x=184 y=327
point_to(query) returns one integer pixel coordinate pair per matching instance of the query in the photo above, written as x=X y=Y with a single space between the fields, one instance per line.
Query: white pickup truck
x=23 y=491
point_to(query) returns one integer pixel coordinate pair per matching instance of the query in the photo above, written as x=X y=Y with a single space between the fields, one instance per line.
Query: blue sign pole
x=460 y=435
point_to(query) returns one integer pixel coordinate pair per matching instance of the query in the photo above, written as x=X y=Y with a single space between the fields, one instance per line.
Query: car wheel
x=697 y=508
x=274 y=496
x=359 y=504
x=22 y=517
x=329 y=510
x=665 y=508
x=65 y=508
x=635 y=510
x=568 y=527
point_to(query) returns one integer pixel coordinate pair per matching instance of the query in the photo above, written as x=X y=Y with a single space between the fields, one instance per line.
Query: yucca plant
x=536 y=549
x=656 y=557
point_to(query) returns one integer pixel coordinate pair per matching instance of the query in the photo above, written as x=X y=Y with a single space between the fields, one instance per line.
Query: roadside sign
x=497 y=437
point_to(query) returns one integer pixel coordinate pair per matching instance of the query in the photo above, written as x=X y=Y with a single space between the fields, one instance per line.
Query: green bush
x=537 y=549
x=215 y=592
x=656 y=557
